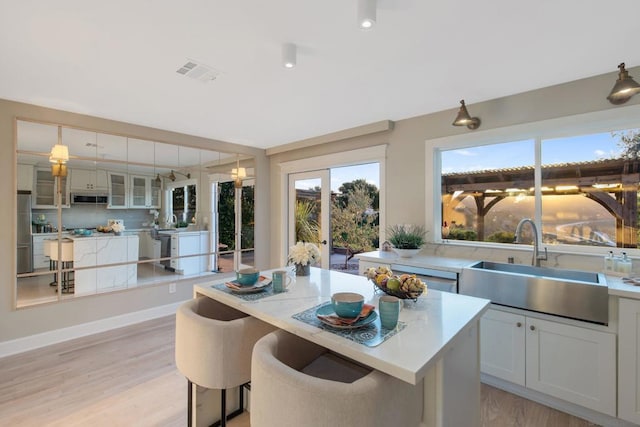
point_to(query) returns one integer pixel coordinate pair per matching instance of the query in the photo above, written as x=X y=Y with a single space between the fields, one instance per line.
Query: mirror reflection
x=128 y=212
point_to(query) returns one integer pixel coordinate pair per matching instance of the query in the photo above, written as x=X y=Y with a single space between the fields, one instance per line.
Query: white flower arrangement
x=304 y=253
x=117 y=227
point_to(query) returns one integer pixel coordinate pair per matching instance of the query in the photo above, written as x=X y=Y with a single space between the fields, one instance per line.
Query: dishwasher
x=439 y=280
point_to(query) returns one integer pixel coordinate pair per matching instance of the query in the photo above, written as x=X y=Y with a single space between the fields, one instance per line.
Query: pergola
x=612 y=183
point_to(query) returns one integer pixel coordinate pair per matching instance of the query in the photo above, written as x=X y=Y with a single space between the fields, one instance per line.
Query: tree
x=307 y=226
x=353 y=220
x=629 y=143
x=348 y=187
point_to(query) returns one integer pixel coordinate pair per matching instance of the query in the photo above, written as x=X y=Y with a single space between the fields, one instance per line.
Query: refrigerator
x=25 y=243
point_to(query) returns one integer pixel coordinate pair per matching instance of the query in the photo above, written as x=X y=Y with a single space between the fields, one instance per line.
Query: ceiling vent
x=198 y=71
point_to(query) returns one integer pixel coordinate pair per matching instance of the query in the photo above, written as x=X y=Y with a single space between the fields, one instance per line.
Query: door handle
x=533 y=328
x=324 y=242
x=519 y=324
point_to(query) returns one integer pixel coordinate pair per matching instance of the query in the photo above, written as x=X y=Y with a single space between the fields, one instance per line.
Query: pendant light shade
x=366 y=14
x=289 y=55
x=59 y=156
x=624 y=88
x=464 y=119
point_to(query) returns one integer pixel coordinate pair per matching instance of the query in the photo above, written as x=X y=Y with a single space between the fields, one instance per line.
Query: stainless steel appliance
x=89 y=199
x=24 y=241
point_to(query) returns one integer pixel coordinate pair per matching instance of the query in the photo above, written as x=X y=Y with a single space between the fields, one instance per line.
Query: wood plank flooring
x=127 y=377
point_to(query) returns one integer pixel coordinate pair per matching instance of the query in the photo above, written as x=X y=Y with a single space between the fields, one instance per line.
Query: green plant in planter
x=406 y=236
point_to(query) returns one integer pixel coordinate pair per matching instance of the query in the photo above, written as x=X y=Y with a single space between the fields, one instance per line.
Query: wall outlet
x=172 y=288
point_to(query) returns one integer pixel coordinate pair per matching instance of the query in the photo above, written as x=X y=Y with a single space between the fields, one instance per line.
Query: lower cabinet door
x=629 y=360
x=502 y=344
x=572 y=363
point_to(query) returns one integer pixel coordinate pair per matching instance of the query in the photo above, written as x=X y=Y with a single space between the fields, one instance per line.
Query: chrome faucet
x=174 y=219
x=536 y=243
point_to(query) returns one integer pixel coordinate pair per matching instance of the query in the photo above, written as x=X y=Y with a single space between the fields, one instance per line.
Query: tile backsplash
x=90 y=217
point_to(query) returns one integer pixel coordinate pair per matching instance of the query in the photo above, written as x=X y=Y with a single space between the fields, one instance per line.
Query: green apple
x=393 y=284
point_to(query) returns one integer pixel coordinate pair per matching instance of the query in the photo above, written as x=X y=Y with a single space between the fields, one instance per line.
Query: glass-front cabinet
x=117 y=190
x=145 y=192
x=163 y=195
x=46 y=188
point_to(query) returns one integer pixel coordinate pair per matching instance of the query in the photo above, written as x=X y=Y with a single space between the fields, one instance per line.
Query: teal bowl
x=347 y=304
x=247 y=276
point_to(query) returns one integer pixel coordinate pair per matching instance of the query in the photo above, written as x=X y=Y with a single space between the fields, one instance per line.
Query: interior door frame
x=374 y=154
x=325 y=211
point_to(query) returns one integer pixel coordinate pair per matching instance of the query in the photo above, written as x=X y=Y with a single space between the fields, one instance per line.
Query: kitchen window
x=581 y=189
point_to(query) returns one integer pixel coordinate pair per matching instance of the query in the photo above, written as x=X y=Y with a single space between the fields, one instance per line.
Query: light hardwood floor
x=127 y=377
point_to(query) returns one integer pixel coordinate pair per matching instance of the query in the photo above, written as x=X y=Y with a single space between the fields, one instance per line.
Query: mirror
x=132 y=212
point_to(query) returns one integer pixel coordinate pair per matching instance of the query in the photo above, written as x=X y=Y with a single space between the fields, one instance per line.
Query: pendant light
x=624 y=88
x=464 y=119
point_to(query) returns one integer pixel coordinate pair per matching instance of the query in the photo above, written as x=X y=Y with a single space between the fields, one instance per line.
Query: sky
x=520 y=153
x=339 y=176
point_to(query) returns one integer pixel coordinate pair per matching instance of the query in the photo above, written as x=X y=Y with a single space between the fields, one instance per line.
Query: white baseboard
x=32 y=342
x=559 y=404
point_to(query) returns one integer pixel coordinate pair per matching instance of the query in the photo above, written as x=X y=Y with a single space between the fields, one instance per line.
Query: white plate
x=258 y=287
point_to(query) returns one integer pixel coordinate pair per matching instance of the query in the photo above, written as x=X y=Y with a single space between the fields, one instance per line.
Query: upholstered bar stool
x=213 y=349
x=297 y=383
x=66 y=258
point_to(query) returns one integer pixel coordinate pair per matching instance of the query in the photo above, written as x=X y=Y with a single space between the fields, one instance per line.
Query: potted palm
x=407 y=240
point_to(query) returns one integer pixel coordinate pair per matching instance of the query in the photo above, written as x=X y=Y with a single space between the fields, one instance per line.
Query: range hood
x=89 y=198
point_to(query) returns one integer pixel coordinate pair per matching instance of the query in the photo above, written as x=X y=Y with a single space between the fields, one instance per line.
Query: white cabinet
x=189 y=243
x=40 y=260
x=45 y=189
x=117 y=183
x=568 y=362
x=629 y=360
x=83 y=180
x=25 y=177
x=144 y=192
x=502 y=348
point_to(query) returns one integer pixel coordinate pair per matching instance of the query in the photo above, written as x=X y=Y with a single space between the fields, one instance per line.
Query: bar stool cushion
x=214 y=343
x=285 y=390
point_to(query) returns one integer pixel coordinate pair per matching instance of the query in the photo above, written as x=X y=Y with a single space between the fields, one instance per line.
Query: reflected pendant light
x=464 y=119
x=59 y=156
x=624 y=88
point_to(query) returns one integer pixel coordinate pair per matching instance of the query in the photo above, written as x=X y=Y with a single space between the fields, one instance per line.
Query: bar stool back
x=66 y=258
x=298 y=383
x=213 y=348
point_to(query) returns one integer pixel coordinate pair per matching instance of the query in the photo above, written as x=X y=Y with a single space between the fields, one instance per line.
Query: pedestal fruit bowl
x=404 y=286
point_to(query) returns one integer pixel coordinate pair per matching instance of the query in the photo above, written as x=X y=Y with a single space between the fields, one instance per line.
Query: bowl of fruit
x=404 y=286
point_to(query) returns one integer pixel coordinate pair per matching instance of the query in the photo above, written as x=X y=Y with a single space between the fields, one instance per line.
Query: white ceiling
x=118 y=59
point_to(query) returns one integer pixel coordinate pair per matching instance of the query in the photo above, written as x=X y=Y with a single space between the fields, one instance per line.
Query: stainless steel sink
x=569 y=293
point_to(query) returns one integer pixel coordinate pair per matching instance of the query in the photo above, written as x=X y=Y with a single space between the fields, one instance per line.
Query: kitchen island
x=436 y=350
x=102 y=249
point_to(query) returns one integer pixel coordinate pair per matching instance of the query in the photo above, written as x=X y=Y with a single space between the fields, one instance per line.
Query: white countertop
x=433 y=323
x=619 y=288
x=454 y=265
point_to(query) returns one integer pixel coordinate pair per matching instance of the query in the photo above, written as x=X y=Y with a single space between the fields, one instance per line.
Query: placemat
x=247 y=297
x=370 y=335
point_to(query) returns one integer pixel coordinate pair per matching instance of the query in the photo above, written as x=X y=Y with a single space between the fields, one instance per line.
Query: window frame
x=612 y=119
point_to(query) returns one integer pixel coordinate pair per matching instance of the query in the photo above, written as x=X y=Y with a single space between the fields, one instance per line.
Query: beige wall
x=33 y=320
x=406 y=179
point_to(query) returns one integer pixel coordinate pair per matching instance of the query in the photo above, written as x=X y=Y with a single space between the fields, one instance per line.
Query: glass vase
x=302 y=269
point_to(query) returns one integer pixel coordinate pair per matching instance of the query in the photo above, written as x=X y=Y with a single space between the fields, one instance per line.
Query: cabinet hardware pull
x=533 y=328
x=519 y=324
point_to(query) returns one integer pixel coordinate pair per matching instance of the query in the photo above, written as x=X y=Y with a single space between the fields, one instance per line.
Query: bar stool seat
x=213 y=348
x=297 y=383
x=66 y=258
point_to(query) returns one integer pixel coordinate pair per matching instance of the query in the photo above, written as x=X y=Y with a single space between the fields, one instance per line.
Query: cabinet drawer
x=40 y=261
